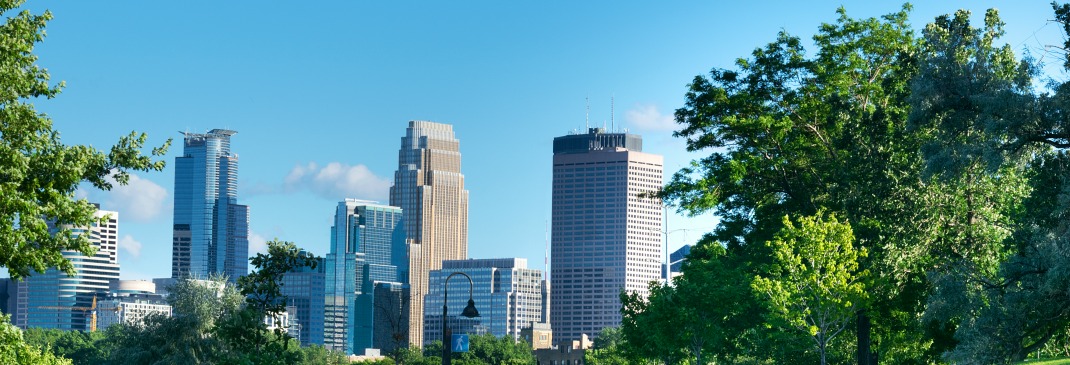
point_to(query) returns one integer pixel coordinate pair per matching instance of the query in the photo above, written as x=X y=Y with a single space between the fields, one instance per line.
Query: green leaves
x=15 y=351
x=813 y=283
x=38 y=173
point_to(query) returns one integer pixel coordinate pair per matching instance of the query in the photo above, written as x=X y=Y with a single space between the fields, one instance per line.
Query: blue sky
x=320 y=94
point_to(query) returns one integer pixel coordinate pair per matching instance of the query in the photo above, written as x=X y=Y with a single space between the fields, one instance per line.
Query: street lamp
x=665 y=246
x=469 y=311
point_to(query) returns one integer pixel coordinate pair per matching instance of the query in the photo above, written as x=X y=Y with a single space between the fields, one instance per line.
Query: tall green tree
x=263 y=289
x=243 y=329
x=1002 y=281
x=781 y=131
x=38 y=173
x=814 y=285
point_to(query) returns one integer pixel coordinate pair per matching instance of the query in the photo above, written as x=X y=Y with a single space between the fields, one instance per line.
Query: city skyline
x=509 y=78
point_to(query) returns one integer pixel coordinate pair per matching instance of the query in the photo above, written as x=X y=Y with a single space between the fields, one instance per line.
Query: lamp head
x=470 y=310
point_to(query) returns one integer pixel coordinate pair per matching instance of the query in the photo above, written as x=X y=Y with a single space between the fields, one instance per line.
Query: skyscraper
x=304 y=288
x=507 y=294
x=604 y=236
x=429 y=188
x=367 y=247
x=51 y=299
x=211 y=230
x=391 y=316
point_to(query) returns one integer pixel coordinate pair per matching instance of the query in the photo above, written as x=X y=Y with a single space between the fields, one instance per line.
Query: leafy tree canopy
x=38 y=173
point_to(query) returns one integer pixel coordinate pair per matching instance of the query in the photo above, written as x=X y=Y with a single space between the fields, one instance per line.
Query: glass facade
x=507 y=294
x=391 y=302
x=677 y=259
x=367 y=247
x=210 y=233
x=54 y=300
x=304 y=290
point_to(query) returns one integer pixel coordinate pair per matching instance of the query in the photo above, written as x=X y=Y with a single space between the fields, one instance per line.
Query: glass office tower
x=367 y=247
x=211 y=229
x=54 y=300
x=304 y=288
x=507 y=294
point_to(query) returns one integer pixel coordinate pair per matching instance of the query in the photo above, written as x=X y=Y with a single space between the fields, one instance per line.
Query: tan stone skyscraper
x=429 y=188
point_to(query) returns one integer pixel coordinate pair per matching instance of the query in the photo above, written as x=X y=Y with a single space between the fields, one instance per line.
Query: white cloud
x=130 y=245
x=336 y=181
x=140 y=200
x=647 y=117
x=257 y=244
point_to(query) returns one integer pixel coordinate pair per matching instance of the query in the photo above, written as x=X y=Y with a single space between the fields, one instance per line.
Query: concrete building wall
x=604 y=236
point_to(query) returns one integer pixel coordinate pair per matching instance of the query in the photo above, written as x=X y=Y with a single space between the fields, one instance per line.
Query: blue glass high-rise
x=304 y=288
x=367 y=247
x=211 y=229
x=51 y=299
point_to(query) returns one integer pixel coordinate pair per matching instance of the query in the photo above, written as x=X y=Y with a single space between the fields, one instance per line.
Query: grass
x=1047 y=362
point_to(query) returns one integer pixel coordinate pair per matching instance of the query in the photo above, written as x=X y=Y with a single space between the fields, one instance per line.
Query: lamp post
x=665 y=246
x=469 y=311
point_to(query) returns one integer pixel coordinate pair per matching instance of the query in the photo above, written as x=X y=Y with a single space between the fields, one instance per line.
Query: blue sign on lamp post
x=448 y=339
x=460 y=343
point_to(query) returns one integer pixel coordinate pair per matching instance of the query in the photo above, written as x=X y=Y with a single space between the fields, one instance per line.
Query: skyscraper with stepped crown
x=429 y=189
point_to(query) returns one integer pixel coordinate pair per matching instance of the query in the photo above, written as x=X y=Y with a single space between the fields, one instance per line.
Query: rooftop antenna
x=612 y=122
x=587 y=117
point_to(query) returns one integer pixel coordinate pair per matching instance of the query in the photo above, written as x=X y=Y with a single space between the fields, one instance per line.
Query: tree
x=645 y=323
x=38 y=173
x=493 y=350
x=781 y=130
x=1002 y=283
x=14 y=350
x=813 y=284
x=697 y=316
x=263 y=293
x=87 y=348
x=394 y=311
x=319 y=355
x=609 y=349
x=187 y=337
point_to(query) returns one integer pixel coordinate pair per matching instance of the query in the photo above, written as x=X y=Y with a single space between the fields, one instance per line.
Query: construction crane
x=91 y=309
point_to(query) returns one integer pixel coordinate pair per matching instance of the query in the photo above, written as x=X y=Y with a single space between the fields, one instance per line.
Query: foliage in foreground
x=38 y=173
x=15 y=351
x=949 y=164
x=214 y=322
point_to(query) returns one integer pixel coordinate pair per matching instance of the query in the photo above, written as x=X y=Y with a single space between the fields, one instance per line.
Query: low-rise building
x=130 y=301
x=507 y=294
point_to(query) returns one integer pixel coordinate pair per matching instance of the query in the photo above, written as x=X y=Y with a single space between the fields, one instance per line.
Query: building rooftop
x=597 y=139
